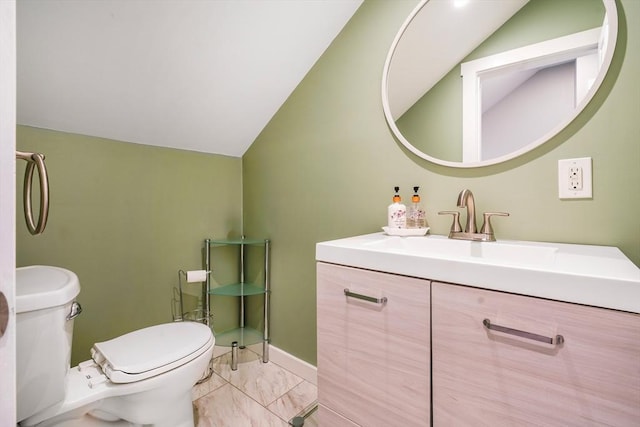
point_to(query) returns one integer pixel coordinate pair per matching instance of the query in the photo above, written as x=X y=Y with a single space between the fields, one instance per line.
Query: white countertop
x=600 y=276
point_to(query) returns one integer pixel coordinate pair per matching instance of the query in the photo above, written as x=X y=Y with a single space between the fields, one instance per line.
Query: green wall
x=326 y=164
x=125 y=218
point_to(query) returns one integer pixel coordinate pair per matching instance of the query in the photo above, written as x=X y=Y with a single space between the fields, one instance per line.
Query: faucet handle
x=486 y=226
x=455 y=227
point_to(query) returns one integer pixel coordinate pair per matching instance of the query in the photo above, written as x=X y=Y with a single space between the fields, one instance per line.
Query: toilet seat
x=151 y=351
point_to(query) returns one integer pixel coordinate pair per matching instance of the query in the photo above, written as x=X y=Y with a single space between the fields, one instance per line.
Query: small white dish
x=406 y=231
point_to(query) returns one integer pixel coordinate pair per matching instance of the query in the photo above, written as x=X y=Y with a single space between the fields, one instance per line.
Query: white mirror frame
x=611 y=28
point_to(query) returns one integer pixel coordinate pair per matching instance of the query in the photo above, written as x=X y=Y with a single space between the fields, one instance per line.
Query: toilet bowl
x=140 y=378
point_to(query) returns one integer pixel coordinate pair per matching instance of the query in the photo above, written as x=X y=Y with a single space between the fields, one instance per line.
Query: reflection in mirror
x=541 y=58
x=513 y=98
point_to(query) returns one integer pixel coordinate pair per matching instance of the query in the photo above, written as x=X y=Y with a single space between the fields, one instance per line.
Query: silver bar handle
x=486 y=224
x=35 y=160
x=382 y=300
x=455 y=226
x=76 y=309
x=557 y=340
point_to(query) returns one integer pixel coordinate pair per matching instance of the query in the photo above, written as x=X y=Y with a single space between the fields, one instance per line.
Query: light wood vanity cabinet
x=483 y=377
x=378 y=363
x=373 y=357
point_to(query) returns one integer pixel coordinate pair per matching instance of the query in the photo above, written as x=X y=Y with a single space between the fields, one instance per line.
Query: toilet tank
x=45 y=309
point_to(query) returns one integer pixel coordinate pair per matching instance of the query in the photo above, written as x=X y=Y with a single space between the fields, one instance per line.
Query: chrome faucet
x=466 y=200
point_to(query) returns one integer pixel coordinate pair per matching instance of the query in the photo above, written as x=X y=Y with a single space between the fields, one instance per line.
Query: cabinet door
x=373 y=358
x=492 y=378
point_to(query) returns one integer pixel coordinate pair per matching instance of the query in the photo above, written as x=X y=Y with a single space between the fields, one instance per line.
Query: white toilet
x=140 y=378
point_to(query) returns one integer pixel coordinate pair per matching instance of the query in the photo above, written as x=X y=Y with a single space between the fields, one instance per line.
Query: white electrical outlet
x=574 y=178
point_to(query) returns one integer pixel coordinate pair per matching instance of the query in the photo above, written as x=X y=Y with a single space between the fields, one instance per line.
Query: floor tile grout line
x=266 y=407
x=276 y=364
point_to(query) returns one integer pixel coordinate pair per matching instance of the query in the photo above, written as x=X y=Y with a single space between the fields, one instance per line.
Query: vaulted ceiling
x=201 y=75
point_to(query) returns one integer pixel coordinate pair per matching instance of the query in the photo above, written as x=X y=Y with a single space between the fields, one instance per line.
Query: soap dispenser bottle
x=397 y=212
x=416 y=217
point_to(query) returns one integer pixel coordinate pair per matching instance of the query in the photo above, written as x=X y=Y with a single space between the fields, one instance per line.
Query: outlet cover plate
x=574 y=178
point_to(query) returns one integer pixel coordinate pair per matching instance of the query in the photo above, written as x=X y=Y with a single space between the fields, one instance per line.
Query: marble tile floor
x=257 y=394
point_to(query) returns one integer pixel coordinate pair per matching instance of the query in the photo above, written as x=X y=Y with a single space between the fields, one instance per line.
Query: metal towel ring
x=35 y=160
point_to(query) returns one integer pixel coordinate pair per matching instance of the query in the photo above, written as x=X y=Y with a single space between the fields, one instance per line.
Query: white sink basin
x=594 y=275
x=518 y=253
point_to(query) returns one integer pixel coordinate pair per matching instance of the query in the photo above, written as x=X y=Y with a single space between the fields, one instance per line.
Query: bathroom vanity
x=473 y=333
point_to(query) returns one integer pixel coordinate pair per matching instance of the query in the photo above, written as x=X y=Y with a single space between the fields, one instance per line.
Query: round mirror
x=471 y=83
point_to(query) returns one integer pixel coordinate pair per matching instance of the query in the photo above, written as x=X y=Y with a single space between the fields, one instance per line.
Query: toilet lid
x=151 y=351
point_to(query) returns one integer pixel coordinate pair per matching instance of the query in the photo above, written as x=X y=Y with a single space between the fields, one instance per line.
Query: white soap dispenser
x=416 y=217
x=397 y=212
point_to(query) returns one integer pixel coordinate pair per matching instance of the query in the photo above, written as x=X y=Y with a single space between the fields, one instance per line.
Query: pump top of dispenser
x=416 y=196
x=396 y=196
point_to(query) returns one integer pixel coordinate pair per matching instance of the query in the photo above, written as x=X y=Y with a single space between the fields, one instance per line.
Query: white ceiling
x=201 y=75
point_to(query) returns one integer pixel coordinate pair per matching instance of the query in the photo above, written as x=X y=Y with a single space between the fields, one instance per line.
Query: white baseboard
x=292 y=364
x=299 y=367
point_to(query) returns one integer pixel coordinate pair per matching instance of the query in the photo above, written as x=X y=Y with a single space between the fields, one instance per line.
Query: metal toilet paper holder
x=198 y=315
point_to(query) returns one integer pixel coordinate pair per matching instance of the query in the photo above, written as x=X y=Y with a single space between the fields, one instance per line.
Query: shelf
x=238 y=290
x=243 y=336
x=237 y=241
x=236 y=249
